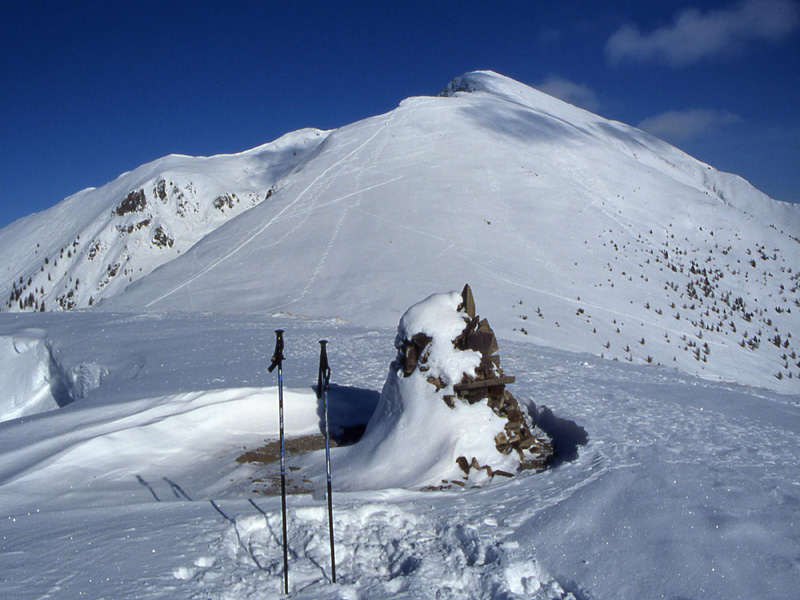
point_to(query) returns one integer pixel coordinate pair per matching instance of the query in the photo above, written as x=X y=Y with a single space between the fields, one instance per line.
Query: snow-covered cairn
x=445 y=415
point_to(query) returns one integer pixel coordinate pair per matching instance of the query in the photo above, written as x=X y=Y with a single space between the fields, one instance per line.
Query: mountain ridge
x=547 y=210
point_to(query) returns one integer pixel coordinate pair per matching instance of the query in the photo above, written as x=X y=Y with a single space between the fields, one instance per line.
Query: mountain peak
x=511 y=90
x=473 y=81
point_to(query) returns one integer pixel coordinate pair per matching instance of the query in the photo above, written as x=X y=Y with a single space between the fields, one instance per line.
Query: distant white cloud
x=569 y=91
x=680 y=126
x=695 y=35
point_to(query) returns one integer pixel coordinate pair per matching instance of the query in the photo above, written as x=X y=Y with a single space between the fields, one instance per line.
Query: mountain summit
x=576 y=231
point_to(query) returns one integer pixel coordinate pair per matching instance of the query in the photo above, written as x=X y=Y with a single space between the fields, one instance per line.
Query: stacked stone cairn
x=533 y=446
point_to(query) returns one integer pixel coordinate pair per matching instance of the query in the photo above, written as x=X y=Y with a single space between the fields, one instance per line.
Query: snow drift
x=684 y=489
x=32 y=381
x=28 y=378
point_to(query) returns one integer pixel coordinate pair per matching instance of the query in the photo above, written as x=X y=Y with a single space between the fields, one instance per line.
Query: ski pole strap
x=277 y=356
x=324 y=377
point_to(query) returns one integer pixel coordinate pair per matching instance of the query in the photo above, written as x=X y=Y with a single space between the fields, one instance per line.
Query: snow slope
x=574 y=231
x=668 y=486
x=96 y=242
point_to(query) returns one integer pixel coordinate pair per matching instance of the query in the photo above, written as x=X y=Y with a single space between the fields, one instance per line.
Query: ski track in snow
x=257 y=232
x=359 y=191
x=357 y=194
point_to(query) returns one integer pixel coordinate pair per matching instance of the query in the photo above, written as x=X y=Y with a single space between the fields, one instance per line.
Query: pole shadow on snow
x=176 y=489
x=349 y=411
x=245 y=547
x=272 y=533
x=566 y=435
x=141 y=480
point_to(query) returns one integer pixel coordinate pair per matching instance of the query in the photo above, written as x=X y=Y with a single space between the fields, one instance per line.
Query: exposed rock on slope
x=97 y=242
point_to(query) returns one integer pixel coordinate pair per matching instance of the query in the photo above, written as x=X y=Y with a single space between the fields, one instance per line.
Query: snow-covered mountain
x=95 y=243
x=140 y=447
x=574 y=231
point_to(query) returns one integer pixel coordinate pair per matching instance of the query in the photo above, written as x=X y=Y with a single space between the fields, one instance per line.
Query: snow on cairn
x=444 y=415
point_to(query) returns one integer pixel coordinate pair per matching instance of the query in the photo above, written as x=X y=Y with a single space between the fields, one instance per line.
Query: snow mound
x=135 y=448
x=28 y=379
x=424 y=431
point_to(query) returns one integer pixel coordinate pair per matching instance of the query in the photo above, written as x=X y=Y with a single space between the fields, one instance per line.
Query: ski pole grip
x=277 y=356
x=324 y=377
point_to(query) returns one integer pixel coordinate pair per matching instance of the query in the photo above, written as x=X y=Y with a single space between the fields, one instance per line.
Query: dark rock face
x=133 y=202
x=225 y=201
x=413 y=353
x=161 y=238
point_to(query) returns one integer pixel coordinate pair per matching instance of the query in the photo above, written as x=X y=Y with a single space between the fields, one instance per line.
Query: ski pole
x=323 y=383
x=277 y=361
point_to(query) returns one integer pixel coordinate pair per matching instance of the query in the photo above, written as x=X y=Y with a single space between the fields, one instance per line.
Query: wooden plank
x=484 y=383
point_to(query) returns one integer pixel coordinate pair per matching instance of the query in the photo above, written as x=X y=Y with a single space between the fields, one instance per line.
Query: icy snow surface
x=669 y=486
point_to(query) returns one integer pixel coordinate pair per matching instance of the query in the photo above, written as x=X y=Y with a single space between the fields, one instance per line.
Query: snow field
x=576 y=232
x=678 y=487
x=699 y=478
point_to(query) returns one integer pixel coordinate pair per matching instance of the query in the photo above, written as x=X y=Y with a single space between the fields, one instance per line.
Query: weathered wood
x=484 y=383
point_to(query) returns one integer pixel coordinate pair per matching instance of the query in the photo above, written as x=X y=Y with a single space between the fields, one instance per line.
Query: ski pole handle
x=324 y=375
x=277 y=356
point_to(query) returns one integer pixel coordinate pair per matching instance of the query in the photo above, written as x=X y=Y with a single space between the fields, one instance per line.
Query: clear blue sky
x=93 y=89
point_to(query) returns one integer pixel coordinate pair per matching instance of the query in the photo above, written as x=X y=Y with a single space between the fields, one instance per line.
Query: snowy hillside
x=576 y=232
x=96 y=242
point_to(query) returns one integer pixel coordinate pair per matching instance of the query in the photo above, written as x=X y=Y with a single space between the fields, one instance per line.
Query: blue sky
x=94 y=89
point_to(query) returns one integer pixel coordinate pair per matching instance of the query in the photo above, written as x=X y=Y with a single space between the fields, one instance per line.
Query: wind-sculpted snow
x=28 y=378
x=140 y=441
x=33 y=381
